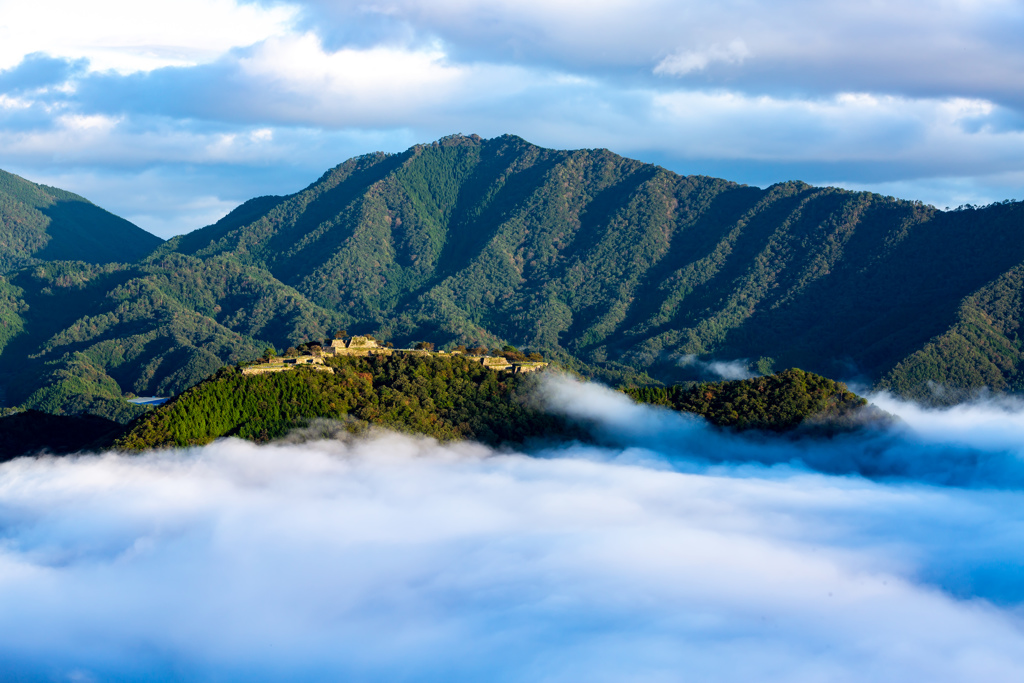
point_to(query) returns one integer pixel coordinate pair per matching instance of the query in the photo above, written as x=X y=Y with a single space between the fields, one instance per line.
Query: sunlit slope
x=625 y=265
x=76 y=337
x=443 y=397
x=38 y=222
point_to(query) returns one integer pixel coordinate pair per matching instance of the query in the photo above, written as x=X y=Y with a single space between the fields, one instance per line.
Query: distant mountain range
x=616 y=267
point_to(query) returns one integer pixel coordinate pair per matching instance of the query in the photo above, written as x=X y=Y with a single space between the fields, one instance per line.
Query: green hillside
x=446 y=398
x=776 y=403
x=612 y=267
x=77 y=338
x=624 y=266
x=38 y=222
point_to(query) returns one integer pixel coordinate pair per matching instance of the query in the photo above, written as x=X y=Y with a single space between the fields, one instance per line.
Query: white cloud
x=884 y=100
x=396 y=558
x=129 y=36
x=378 y=79
x=684 y=62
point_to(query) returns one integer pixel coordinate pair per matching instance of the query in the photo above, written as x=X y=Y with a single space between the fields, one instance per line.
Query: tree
x=425 y=346
x=341 y=334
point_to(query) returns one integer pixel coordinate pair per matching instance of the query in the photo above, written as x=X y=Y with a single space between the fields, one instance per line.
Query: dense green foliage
x=619 y=266
x=608 y=266
x=779 y=402
x=83 y=336
x=38 y=222
x=446 y=398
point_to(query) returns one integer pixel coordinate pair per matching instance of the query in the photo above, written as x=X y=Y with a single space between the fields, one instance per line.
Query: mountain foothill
x=614 y=268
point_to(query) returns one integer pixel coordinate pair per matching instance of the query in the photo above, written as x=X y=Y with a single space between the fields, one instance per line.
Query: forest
x=443 y=397
x=615 y=269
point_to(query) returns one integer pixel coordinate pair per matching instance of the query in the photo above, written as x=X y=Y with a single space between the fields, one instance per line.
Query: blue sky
x=171 y=113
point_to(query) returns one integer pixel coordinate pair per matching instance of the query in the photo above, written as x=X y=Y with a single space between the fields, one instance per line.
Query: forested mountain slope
x=38 y=222
x=615 y=267
x=76 y=337
x=626 y=265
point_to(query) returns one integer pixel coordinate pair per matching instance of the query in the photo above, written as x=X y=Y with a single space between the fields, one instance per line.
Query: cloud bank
x=923 y=100
x=396 y=558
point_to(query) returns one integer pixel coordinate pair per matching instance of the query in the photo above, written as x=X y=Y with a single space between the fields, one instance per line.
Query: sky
x=670 y=553
x=172 y=113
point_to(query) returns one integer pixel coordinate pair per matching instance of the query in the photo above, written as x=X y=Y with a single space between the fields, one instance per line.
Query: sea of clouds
x=670 y=553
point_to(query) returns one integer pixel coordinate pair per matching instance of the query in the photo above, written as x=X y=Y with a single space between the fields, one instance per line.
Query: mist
x=717 y=369
x=672 y=552
x=979 y=444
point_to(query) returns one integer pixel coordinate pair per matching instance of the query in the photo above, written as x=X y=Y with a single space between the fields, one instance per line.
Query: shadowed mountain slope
x=38 y=222
x=76 y=338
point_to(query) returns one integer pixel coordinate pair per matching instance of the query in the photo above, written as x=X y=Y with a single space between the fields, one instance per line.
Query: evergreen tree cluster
x=443 y=397
x=776 y=403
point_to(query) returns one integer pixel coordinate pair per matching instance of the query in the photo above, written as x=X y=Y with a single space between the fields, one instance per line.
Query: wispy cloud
x=687 y=61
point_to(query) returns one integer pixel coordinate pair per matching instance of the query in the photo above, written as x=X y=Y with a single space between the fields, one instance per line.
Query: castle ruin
x=364 y=346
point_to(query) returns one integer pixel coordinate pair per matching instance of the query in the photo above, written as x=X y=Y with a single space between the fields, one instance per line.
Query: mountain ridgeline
x=42 y=223
x=613 y=267
x=625 y=266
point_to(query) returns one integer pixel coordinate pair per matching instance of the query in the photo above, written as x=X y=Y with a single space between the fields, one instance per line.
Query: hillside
x=453 y=397
x=77 y=338
x=612 y=267
x=38 y=222
x=780 y=402
x=30 y=432
x=446 y=398
x=624 y=265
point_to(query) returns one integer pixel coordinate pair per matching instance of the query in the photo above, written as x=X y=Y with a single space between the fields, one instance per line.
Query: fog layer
x=393 y=558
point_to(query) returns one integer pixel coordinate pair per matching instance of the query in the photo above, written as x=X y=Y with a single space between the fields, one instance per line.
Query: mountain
x=616 y=268
x=627 y=267
x=453 y=397
x=784 y=401
x=38 y=222
x=77 y=338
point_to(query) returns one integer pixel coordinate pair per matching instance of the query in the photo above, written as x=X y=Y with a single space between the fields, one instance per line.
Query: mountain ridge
x=43 y=223
x=614 y=267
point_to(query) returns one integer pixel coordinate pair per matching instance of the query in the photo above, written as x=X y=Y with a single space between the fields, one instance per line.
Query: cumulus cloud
x=923 y=99
x=126 y=36
x=919 y=48
x=396 y=558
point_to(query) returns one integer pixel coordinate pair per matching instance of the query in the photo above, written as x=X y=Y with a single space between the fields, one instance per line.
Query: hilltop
x=782 y=402
x=446 y=397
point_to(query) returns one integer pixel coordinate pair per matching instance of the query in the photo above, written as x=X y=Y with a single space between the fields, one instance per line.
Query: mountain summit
x=628 y=266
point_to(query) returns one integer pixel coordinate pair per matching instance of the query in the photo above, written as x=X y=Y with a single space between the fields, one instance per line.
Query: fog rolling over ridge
x=670 y=554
